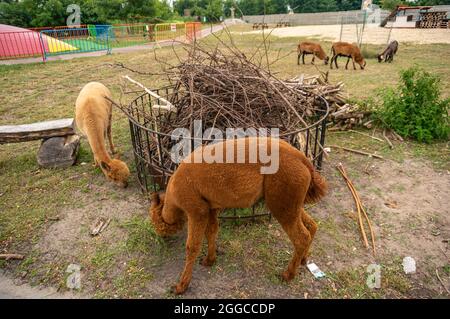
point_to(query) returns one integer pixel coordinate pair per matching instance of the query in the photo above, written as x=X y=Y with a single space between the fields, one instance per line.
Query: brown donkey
x=198 y=191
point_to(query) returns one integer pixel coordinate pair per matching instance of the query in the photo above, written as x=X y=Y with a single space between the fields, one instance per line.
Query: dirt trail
x=373 y=34
x=9 y=290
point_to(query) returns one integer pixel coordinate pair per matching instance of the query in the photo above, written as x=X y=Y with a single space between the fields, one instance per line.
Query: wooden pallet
x=433 y=20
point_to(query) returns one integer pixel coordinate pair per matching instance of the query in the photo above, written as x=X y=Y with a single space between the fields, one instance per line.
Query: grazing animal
x=388 y=54
x=200 y=191
x=93 y=114
x=306 y=48
x=347 y=50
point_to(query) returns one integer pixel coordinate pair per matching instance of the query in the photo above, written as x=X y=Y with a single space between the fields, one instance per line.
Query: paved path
x=8 y=290
x=204 y=33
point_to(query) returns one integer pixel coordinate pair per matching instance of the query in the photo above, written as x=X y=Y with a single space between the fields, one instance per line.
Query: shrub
x=415 y=109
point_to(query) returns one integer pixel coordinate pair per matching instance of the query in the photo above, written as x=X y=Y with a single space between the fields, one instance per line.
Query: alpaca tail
x=318 y=186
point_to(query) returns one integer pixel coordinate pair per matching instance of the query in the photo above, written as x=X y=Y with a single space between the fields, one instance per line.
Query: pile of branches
x=225 y=89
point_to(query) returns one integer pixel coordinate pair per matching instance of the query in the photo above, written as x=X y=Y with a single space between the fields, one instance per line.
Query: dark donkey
x=388 y=54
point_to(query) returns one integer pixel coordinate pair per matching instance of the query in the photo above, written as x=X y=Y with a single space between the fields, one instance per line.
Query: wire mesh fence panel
x=170 y=31
x=15 y=45
x=193 y=31
x=130 y=35
x=70 y=41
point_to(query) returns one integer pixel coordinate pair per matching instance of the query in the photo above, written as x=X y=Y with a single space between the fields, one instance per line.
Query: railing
x=131 y=35
x=17 y=45
x=193 y=31
x=70 y=41
x=39 y=29
x=170 y=31
x=58 y=41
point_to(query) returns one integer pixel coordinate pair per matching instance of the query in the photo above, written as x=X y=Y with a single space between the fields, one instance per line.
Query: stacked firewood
x=342 y=115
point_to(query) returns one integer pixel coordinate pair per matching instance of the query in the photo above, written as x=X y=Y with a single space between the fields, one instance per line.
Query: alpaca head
x=162 y=228
x=116 y=171
x=380 y=58
x=360 y=60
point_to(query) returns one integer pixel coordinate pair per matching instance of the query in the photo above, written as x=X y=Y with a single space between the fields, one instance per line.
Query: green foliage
x=39 y=13
x=415 y=109
x=391 y=4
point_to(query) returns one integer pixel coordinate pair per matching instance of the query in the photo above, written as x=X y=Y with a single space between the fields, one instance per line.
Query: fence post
x=41 y=41
x=108 y=45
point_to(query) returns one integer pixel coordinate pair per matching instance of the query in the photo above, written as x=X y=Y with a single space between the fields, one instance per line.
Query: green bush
x=415 y=109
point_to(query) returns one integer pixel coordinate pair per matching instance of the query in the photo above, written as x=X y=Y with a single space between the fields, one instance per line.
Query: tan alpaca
x=199 y=191
x=93 y=115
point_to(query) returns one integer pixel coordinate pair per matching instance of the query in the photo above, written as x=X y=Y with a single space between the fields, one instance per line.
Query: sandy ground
x=373 y=34
x=9 y=290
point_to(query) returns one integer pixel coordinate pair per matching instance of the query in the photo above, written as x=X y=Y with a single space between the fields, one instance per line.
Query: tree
x=391 y=4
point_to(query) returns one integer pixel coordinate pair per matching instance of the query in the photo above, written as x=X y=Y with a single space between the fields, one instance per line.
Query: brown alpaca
x=306 y=48
x=199 y=191
x=347 y=50
x=93 y=115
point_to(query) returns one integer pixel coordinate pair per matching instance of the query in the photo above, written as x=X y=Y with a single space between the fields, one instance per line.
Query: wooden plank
x=36 y=131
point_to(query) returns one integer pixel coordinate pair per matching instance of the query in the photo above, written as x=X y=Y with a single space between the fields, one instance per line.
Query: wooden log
x=11 y=256
x=36 y=131
x=356 y=151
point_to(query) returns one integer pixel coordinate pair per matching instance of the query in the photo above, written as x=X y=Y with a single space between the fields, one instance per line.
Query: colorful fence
x=17 y=45
x=58 y=41
x=170 y=31
x=193 y=31
x=70 y=41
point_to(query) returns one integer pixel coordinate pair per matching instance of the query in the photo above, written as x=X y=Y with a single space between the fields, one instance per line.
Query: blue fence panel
x=75 y=40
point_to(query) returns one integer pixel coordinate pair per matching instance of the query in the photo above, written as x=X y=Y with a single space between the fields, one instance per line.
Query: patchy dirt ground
x=407 y=202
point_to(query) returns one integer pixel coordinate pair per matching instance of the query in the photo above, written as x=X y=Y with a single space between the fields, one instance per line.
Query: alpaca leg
x=108 y=132
x=298 y=58
x=311 y=225
x=303 y=57
x=314 y=59
x=211 y=236
x=346 y=66
x=332 y=61
x=300 y=238
x=354 y=66
x=335 y=61
x=196 y=230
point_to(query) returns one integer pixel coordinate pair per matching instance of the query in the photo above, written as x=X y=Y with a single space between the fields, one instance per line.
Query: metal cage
x=152 y=160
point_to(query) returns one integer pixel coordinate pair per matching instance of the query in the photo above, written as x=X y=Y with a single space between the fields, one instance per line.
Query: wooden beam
x=36 y=131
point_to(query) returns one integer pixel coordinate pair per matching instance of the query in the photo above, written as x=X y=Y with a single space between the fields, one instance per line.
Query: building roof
x=413 y=8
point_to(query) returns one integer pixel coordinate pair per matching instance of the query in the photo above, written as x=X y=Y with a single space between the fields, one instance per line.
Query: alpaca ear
x=105 y=166
x=155 y=198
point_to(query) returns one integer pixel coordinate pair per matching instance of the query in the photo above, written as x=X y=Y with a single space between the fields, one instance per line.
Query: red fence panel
x=193 y=31
x=14 y=45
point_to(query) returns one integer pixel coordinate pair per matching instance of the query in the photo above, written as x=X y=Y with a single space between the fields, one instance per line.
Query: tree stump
x=59 y=152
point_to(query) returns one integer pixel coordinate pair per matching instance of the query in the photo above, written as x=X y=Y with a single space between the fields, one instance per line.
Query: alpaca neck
x=170 y=214
x=97 y=142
